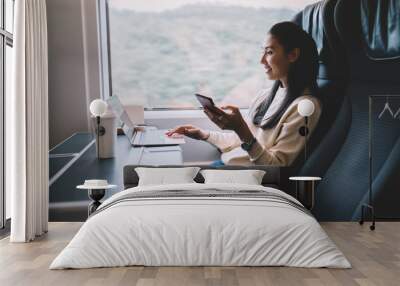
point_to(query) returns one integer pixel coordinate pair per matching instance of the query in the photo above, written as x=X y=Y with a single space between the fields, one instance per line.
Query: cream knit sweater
x=277 y=146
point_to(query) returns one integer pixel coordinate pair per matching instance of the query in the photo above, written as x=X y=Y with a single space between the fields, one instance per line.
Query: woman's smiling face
x=275 y=60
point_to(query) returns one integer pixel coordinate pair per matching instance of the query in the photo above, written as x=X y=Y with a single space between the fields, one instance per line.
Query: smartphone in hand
x=208 y=103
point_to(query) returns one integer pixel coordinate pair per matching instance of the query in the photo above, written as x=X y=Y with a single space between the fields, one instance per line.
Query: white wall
x=73 y=65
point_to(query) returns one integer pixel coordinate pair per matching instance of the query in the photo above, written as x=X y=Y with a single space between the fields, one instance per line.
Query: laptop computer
x=147 y=136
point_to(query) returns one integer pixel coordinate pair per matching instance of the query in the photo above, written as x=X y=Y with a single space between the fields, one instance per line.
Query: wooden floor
x=375 y=257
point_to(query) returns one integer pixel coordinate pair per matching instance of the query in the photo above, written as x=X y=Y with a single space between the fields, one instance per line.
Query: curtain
x=28 y=142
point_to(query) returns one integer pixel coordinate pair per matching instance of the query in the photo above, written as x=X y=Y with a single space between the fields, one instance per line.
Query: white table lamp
x=306 y=108
x=98 y=107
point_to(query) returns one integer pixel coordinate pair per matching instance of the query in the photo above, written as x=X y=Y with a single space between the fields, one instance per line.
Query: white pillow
x=164 y=176
x=248 y=177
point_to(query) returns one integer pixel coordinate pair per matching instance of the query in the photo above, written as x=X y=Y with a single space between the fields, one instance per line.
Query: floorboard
x=375 y=257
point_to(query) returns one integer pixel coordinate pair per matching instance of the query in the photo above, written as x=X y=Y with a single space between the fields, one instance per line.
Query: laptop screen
x=119 y=111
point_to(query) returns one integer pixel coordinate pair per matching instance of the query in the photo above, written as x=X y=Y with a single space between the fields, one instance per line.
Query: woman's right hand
x=189 y=131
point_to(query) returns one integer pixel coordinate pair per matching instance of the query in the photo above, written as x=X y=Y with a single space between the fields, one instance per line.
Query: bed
x=198 y=224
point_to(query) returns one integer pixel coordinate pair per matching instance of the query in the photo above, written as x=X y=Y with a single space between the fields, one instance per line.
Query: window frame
x=104 y=49
x=104 y=35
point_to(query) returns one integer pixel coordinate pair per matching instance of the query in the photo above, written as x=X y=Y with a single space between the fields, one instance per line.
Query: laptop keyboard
x=155 y=136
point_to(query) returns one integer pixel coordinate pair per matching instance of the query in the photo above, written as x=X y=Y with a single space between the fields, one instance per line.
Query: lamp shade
x=305 y=107
x=98 y=107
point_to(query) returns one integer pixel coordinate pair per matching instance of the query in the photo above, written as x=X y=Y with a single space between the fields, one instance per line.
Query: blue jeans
x=217 y=163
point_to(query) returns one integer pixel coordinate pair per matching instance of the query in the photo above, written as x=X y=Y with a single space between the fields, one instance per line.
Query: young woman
x=269 y=135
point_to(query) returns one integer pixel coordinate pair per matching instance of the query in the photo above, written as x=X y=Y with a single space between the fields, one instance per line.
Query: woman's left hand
x=231 y=120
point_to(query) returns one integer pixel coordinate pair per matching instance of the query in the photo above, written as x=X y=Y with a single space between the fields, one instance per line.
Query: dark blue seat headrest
x=347 y=23
x=380 y=23
x=317 y=20
x=370 y=32
x=312 y=23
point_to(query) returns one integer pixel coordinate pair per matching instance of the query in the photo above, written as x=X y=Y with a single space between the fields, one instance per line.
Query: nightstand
x=305 y=187
x=96 y=190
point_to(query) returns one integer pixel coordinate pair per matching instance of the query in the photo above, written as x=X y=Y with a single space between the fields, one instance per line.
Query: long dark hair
x=302 y=73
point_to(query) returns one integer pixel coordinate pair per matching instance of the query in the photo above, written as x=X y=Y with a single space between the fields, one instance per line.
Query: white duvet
x=200 y=231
